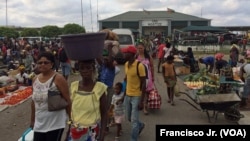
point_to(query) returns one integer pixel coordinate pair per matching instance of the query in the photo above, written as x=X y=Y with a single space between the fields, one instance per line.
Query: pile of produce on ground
x=206 y=83
x=16 y=97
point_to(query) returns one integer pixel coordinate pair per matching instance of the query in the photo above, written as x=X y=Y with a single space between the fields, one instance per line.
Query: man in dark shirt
x=219 y=64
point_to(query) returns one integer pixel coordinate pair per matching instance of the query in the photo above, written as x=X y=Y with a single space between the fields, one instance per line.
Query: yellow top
x=86 y=105
x=133 y=80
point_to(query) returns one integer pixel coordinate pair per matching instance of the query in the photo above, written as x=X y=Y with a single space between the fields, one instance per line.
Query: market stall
x=180 y=67
x=214 y=92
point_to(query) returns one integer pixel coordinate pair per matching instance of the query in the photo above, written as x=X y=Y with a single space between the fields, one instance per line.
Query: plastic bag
x=117 y=70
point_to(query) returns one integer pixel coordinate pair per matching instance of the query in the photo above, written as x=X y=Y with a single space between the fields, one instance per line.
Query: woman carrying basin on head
x=88 y=104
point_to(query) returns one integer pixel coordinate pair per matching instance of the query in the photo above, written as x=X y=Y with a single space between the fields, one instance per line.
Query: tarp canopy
x=203 y=29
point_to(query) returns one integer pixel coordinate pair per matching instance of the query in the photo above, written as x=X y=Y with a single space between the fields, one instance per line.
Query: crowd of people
x=16 y=52
x=95 y=102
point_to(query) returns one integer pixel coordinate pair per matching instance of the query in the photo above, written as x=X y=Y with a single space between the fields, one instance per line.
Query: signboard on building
x=155 y=23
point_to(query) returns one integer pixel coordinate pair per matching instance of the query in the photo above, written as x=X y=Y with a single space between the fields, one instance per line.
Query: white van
x=32 y=39
x=126 y=38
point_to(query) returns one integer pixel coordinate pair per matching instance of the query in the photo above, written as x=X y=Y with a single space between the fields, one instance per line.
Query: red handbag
x=154 y=99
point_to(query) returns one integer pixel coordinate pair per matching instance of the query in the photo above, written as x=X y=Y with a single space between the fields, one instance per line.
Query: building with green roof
x=151 y=23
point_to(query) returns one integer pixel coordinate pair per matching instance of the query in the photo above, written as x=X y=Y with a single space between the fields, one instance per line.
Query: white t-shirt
x=20 y=77
x=118 y=108
x=167 y=51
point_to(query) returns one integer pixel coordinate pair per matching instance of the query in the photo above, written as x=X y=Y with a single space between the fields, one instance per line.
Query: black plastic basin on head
x=83 y=46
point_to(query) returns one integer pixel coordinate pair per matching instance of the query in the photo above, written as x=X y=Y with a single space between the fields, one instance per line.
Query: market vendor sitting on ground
x=209 y=62
x=22 y=77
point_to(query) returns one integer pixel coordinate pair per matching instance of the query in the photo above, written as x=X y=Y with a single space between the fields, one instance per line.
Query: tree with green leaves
x=50 y=31
x=73 y=29
x=8 y=32
x=29 y=32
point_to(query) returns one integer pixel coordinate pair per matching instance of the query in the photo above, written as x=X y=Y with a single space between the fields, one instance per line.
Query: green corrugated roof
x=141 y=15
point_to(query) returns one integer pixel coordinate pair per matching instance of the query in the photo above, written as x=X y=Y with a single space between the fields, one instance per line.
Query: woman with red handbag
x=147 y=60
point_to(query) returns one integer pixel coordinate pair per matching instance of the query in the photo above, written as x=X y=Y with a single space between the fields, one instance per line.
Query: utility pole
x=6 y=14
x=91 y=14
x=82 y=13
x=201 y=11
x=97 y=25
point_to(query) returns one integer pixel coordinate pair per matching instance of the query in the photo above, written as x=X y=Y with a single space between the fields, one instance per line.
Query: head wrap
x=234 y=45
x=219 y=56
x=21 y=67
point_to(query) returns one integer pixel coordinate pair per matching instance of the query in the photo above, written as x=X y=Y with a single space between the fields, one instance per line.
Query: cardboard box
x=182 y=70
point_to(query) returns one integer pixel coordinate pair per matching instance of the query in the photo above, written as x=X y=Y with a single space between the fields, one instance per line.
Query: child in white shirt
x=118 y=109
x=22 y=77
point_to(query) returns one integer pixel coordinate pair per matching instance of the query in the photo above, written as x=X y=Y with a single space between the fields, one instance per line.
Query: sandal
x=145 y=112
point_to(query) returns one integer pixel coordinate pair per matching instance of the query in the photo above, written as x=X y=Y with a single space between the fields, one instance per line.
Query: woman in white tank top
x=48 y=125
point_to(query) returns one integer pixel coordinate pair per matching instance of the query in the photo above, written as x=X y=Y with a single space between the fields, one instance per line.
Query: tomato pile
x=18 y=96
x=3 y=95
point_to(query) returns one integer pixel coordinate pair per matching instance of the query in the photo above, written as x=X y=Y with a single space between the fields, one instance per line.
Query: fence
x=200 y=48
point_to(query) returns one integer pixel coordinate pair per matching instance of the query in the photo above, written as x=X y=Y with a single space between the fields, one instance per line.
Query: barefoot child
x=118 y=109
x=169 y=76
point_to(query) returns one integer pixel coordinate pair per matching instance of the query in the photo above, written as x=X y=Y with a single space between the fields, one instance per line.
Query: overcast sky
x=38 y=13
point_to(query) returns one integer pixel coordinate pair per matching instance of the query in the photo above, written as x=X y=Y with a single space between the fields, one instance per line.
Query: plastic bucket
x=83 y=46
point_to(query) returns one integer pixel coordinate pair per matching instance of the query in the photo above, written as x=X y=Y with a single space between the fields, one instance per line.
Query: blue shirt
x=124 y=84
x=208 y=60
x=107 y=75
